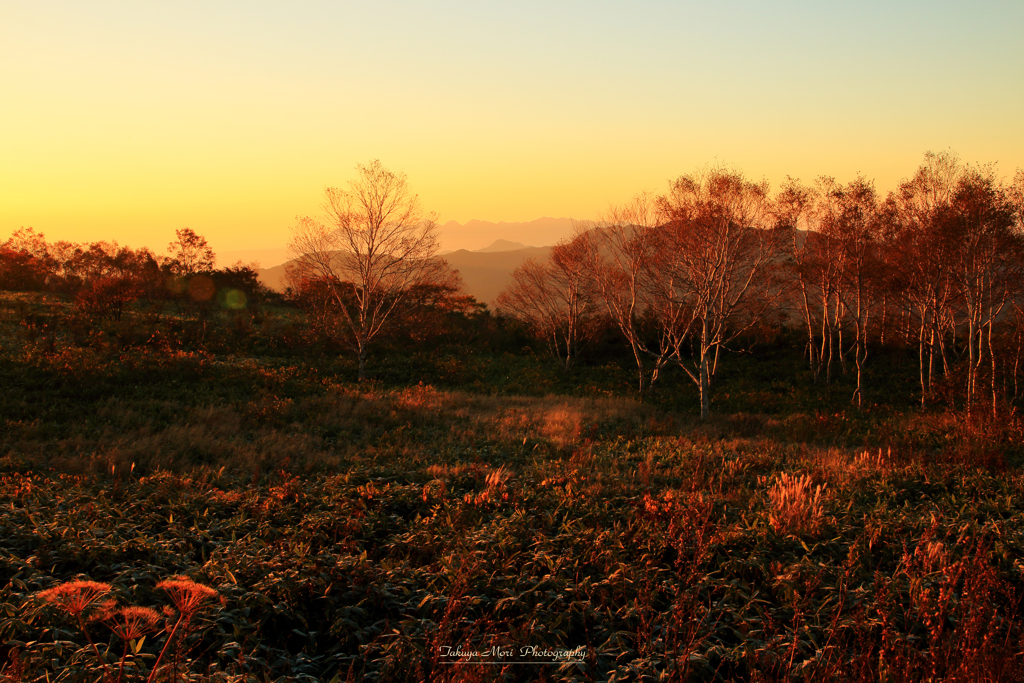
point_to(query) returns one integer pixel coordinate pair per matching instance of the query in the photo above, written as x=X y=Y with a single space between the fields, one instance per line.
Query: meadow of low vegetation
x=478 y=497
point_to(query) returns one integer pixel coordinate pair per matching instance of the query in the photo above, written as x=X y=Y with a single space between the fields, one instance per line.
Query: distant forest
x=680 y=281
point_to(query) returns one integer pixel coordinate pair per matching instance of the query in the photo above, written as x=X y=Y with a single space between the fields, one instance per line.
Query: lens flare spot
x=234 y=299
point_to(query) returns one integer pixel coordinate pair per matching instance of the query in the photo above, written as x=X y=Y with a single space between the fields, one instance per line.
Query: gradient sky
x=127 y=120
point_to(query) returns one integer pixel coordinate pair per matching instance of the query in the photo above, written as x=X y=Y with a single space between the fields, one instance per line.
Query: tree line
x=103 y=280
x=935 y=265
x=405 y=297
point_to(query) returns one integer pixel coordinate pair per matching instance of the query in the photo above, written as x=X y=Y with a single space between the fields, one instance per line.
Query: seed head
x=103 y=609
x=186 y=594
x=131 y=622
x=75 y=596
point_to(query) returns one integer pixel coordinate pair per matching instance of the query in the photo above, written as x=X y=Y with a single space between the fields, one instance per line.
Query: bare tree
x=923 y=255
x=712 y=267
x=986 y=266
x=555 y=298
x=794 y=217
x=373 y=245
x=851 y=221
x=619 y=253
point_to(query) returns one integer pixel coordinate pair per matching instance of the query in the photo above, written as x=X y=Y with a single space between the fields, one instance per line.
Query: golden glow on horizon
x=128 y=122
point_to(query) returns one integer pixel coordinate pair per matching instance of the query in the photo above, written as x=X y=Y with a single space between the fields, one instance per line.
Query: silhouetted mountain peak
x=503 y=245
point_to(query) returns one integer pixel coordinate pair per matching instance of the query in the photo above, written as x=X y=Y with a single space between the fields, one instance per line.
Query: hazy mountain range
x=485 y=271
x=475 y=235
x=497 y=245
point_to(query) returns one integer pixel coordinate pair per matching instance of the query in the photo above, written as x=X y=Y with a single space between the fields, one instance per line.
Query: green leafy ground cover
x=355 y=531
x=656 y=554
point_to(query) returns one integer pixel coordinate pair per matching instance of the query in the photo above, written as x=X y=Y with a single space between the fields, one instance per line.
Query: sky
x=127 y=120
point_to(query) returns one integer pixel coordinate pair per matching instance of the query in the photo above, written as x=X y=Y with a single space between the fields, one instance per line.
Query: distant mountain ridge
x=485 y=271
x=502 y=245
x=546 y=230
x=485 y=274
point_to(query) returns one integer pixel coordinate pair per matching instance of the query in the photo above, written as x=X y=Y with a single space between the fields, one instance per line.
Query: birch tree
x=851 y=221
x=555 y=298
x=924 y=254
x=619 y=258
x=985 y=266
x=372 y=246
x=713 y=267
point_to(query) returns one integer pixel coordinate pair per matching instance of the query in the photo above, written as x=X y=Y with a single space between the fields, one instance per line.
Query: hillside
x=484 y=273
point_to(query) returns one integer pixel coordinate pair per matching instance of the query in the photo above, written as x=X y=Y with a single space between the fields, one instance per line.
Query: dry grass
x=796 y=504
x=325 y=430
x=560 y=420
x=845 y=468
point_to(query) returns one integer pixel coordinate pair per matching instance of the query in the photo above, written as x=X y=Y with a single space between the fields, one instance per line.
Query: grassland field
x=472 y=496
